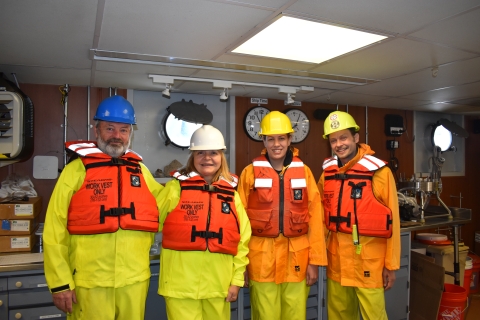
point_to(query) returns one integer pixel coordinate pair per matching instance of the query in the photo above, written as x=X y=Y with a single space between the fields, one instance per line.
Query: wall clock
x=300 y=124
x=252 y=120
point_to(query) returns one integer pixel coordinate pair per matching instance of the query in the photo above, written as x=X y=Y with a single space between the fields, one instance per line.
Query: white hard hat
x=207 y=138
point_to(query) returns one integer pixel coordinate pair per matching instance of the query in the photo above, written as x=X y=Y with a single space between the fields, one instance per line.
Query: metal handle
x=18 y=315
x=1 y=303
x=18 y=284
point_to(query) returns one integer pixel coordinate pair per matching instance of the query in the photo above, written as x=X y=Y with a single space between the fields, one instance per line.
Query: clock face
x=252 y=121
x=179 y=132
x=300 y=124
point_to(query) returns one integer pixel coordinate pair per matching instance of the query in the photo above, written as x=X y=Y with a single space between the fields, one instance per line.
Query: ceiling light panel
x=303 y=40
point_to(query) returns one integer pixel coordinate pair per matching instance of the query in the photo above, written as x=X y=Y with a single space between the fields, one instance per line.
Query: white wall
x=150 y=110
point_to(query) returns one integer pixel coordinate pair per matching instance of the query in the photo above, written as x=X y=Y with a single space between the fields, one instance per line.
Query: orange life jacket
x=348 y=199
x=114 y=194
x=278 y=204
x=205 y=217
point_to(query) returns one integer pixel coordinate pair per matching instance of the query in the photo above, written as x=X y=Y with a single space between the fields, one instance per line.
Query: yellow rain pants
x=124 y=303
x=347 y=302
x=197 y=309
x=285 y=301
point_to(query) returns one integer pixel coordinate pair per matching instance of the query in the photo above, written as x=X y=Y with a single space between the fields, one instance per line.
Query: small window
x=179 y=132
x=442 y=138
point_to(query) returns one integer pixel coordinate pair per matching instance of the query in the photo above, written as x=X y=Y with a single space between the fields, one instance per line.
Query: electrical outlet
x=392 y=144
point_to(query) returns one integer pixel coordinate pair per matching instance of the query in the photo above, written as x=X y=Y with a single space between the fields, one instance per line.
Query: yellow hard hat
x=275 y=122
x=338 y=120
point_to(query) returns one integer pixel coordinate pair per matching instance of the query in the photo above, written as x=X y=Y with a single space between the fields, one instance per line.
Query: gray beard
x=114 y=152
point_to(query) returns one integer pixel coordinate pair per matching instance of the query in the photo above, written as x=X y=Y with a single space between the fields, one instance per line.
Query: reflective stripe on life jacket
x=348 y=199
x=113 y=194
x=278 y=203
x=204 y=218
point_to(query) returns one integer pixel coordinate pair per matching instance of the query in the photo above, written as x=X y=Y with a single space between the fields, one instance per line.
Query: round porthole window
x=178 y=132
x=442 y=138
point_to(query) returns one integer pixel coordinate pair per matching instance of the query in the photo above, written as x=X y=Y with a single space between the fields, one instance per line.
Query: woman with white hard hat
x=205 y=233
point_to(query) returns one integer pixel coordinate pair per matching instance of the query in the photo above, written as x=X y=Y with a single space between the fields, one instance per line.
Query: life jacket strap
x=112 y=162
x=116 y=212
x=346 y=176
x=339 y=219
x=207 y=234
x=209 y=188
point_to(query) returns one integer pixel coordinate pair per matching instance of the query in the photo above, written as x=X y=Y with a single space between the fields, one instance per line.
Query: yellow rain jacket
x=113 y=259
x=364 y=270
x=284 y=259
x=200 y=274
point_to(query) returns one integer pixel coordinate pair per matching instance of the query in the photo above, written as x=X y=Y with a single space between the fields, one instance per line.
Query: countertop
x=37 y=265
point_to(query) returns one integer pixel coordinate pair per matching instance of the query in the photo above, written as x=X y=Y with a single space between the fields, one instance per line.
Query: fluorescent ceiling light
x=303 y=40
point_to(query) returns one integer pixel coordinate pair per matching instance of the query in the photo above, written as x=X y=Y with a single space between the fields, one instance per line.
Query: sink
x=457 y=213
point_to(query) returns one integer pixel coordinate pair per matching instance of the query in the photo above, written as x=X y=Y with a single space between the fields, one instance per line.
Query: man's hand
x=388 y=278
x=232 y=293
x=312 y=274
x=63 y=300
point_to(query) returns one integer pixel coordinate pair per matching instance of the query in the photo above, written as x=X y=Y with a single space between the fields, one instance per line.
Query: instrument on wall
x=16 y=123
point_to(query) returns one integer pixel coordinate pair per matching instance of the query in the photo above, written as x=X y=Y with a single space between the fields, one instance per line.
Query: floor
x=473 y=311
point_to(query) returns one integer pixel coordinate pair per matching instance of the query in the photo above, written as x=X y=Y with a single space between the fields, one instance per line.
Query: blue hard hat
x=116 y=109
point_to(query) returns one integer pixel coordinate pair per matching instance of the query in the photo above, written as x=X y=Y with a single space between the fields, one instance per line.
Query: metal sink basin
x=457 y=213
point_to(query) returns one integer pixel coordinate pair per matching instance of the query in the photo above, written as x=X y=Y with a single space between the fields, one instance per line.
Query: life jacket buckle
x=209 y=188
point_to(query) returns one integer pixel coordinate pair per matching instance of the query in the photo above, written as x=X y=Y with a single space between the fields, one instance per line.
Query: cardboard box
x=443 y=256
x=21 y=210
x=17 y=243
x=426 y=287
x=18 y=227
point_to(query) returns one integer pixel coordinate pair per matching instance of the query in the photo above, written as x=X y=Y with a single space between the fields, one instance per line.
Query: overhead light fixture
x=224 y=95
x=228 y=85
x=166 y=92
x=315 y=42
x=290 y=98
x=168 y=81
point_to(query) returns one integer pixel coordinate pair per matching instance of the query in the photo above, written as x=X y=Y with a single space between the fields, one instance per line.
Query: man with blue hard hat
x=100 y=223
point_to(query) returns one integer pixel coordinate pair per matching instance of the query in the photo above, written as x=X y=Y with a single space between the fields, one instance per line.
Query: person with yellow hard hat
x=361 y=214
x=205 y=234
x=283 y=204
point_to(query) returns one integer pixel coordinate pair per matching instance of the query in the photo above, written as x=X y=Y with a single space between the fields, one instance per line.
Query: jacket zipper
x=208 y=217
x=119 y=185
x=282 y=200
x=339 y=206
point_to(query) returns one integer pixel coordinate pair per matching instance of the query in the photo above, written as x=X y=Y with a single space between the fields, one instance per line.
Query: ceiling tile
x=448 y=108
x=344 y=98
x=392 y=58
x=38 y=34
x=457 y=32
x=452 y=74
x=26 y=74
x=449 y=93
x=182 y=28
x=397 y=103
x=387 y=15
